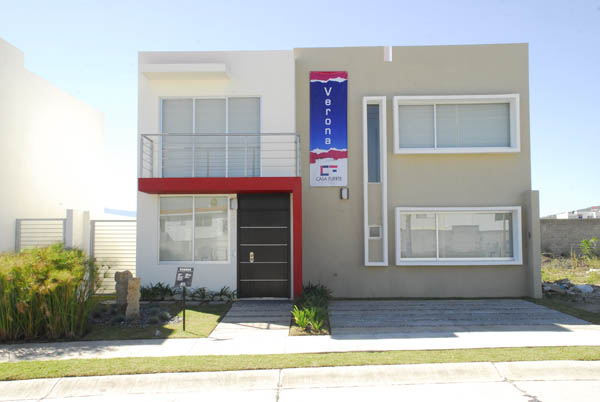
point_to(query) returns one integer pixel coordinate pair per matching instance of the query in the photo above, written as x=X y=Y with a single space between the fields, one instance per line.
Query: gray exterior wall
x=560 y=236
x=333 y=228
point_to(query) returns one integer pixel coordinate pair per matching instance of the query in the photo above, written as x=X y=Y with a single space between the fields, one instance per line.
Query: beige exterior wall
x=333 y=228
x=51 y=147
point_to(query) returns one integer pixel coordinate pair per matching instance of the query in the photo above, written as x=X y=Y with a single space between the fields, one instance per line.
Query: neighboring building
x=586 y=213
x=380 y=172
x=51 y=144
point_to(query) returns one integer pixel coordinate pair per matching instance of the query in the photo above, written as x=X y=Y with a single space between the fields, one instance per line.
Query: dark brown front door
x=264 y=245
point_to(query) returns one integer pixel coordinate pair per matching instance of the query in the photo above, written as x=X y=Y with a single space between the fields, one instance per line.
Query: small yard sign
x=184 y=277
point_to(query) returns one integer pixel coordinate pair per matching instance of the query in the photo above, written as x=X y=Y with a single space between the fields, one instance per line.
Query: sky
x=89 y=49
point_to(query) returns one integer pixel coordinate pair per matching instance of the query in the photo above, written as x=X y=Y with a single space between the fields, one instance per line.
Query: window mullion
x=193 y=228
x=434 y=126
x=437 y=238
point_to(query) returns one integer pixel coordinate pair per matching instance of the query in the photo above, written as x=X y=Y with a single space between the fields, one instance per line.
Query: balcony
x=219 y=155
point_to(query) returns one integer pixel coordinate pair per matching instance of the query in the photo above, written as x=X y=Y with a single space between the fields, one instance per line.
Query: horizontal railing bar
x=42 y=219
x=219 y=135
x=113 y=220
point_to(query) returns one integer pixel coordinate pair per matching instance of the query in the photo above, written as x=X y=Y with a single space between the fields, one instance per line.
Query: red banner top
x=328 y=75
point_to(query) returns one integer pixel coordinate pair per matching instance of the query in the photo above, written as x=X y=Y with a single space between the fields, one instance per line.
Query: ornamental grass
x=45 y=293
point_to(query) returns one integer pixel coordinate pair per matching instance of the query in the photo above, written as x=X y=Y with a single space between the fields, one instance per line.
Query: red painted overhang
x=214 y=185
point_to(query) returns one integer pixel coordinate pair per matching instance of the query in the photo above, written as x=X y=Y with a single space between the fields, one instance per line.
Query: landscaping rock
x=121 y=283
x=133 y=299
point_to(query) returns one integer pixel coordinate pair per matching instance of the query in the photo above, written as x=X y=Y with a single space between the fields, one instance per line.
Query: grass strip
x=179 y=364
x=563 y=307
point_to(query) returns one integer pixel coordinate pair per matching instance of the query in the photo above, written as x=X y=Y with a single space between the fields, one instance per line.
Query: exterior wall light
x=344 y=193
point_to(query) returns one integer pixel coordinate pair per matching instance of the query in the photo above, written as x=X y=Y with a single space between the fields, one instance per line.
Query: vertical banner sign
x=328 y=128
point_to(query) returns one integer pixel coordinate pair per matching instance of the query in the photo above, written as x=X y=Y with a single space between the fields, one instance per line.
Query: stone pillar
x=133 y=298
x=121 y=283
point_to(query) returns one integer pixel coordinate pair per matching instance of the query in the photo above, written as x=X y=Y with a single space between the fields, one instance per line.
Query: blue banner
x=328 y=128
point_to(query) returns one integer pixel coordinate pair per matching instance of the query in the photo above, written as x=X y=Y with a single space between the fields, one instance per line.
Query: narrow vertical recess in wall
x=382 y=179
x=387 y=53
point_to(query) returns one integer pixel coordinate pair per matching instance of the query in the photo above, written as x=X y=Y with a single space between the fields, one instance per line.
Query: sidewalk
x=275 y=342
x=509 y=381
x=252 y=328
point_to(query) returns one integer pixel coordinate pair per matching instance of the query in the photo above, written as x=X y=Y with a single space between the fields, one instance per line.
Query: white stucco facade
x=268 y=75
x=51 y=145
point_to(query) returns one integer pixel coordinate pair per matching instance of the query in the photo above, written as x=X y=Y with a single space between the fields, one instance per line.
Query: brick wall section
x=559 y=236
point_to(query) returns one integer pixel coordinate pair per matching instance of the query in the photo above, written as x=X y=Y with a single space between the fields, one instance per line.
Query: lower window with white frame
x=458 y=236
x=194 y=229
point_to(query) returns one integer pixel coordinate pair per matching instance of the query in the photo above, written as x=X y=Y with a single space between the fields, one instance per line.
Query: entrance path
x=249 y=318
x=252 y=327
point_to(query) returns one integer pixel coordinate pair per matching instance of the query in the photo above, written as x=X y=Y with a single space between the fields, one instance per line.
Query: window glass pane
x=209 y=152
x=175 y=229
x=475 y=235
x=415 y=126
x=177 y=150
x=417 y=235
x=373 y=143
x=210 y=116
x=177 y=116
x=211 y=229
x=474 y=125
x=243 y=156
x=244 y=115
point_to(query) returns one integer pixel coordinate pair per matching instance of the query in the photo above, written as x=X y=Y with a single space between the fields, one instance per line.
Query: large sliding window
x=194 y=228
x=211 y=153
x=456 y=124
x=458 y=236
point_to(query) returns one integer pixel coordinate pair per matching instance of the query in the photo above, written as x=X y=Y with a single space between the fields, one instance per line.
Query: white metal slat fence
x=113 y=246
x=39 y=232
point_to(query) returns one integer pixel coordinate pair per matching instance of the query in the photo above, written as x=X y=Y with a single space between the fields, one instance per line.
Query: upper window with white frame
x=194 y=229
x=456 y=124
x=458 y=236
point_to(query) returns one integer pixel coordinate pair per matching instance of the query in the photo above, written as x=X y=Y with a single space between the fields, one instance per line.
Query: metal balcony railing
x=219 y=155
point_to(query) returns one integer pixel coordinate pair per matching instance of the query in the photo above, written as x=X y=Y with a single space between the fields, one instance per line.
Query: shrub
x=315 y=295
x=164 y=316
x=153 y=320
x=46 y=293
x=119 y=318
x=590 y=247
x=310 y=311
x=300 y=317
x=156 y=292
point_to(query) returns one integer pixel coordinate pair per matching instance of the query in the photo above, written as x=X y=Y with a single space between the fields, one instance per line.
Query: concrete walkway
x=249 y=318
x=516 y=381
x=247 y=332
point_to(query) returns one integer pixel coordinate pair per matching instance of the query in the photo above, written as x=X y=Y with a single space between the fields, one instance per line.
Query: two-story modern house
x=380 y=172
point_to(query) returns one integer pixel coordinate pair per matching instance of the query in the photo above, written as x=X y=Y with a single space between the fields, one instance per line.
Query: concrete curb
x=299 y=378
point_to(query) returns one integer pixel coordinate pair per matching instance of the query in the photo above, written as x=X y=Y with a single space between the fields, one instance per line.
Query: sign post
x=183 y=279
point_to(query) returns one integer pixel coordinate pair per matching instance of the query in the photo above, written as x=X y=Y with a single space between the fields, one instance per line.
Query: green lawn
x=145 y=365
x=200 y=321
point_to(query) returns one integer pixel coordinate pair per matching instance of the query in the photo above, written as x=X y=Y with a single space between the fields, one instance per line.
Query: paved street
x=507 y=382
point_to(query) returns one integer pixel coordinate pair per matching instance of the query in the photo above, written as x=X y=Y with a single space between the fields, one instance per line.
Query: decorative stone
x=133 y=299
x=121 y=280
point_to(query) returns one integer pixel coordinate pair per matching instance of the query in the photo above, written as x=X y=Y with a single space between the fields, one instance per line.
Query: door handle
x=251 y=256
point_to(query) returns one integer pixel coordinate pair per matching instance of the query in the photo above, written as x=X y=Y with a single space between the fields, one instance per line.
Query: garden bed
x=158 y=320
x=310 y=314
